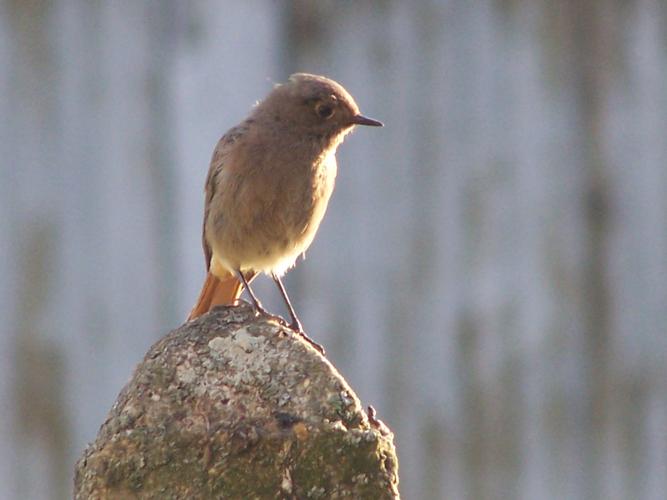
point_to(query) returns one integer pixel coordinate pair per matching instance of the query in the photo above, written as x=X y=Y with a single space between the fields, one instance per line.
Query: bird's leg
x=258 y=306
x=295 y=324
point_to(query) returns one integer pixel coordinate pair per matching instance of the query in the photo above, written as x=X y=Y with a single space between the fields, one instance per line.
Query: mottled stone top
x=234 y=406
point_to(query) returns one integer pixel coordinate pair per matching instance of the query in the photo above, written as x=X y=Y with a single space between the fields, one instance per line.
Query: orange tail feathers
x=216 y=292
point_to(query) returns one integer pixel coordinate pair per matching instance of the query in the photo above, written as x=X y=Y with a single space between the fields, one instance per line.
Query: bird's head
x=314 y=105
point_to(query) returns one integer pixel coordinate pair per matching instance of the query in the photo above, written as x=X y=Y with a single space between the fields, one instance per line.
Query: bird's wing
x=220 y=154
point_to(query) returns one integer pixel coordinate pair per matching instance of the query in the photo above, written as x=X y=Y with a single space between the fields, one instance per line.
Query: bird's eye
x=324 y=111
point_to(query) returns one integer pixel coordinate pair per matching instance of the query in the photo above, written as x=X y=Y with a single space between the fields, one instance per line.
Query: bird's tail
x=215 y=292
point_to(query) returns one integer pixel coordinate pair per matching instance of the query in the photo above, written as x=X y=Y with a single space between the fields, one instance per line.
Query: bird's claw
x=296 y=327
x=317 y=346
x=260 y=311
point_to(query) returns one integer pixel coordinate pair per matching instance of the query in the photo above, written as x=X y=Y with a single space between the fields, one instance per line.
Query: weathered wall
x=492 y=272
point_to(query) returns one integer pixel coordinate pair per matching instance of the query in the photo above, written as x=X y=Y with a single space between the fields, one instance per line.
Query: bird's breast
x=269 y=216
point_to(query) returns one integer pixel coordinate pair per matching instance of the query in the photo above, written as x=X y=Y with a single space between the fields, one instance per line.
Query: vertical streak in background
x=592 y=68
x=165 y=33
x=8 y=283
x=38 y=421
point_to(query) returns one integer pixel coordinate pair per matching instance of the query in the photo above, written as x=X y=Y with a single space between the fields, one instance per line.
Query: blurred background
x=492 y=271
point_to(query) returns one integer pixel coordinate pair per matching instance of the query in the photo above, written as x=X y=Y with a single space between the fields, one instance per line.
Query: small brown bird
x=268 y=187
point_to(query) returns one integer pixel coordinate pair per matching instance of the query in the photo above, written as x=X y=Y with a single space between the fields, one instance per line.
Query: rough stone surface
x=234 y=406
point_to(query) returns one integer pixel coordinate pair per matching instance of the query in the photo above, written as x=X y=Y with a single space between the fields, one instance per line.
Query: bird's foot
x=299 y=329
x=260 y=311
x=296 y=327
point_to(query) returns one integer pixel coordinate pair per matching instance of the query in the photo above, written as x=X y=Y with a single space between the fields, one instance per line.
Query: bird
x=268 y=186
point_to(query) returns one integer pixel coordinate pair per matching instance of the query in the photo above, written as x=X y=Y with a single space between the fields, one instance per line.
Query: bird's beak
x=362 y=120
